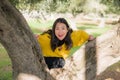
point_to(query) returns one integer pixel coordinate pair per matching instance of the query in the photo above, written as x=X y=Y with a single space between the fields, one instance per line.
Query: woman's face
x=61 y=31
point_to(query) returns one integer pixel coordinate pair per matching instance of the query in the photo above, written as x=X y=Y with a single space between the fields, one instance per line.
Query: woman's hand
x=91 y=37
x=36 y=36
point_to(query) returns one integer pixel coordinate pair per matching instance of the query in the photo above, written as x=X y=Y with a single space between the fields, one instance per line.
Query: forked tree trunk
x=22 y=48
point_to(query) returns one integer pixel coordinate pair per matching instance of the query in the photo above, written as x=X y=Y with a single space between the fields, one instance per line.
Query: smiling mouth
x=60 y=35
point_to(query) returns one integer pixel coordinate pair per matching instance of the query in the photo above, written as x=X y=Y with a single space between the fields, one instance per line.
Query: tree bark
x=21 y=45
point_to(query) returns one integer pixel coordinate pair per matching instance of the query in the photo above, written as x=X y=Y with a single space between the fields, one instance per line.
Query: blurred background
x=94 y=16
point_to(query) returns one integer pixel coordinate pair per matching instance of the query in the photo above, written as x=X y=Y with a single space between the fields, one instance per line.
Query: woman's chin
x=60 y=39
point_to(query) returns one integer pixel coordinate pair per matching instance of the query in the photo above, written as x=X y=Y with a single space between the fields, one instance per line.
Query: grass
x=94 y=30
x=38 y=27
x=5 y=65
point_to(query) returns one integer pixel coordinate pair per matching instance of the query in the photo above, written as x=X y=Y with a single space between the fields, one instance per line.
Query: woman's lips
x=60 y=35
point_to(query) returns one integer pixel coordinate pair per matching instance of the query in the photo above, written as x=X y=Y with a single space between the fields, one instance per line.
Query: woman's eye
x=63 y=28
x=57 y=29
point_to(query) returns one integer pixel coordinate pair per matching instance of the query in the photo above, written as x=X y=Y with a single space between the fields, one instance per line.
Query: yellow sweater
x=78 y=38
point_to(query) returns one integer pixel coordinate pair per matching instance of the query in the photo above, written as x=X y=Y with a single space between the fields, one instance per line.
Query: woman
x=56 y=43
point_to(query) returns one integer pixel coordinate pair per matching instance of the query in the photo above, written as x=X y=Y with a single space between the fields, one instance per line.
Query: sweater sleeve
x=44 y=42
x=79 y=37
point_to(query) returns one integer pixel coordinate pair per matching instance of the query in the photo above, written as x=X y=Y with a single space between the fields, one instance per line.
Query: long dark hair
x=67 y=40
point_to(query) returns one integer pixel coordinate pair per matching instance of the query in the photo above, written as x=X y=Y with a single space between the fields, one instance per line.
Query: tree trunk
x=21 y=45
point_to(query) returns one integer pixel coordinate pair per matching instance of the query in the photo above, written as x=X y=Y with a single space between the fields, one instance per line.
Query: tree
x=113 y=5
x=59 y=6
x=22 y=48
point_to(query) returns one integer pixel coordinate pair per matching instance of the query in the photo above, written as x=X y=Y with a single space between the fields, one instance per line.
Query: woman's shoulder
x=79 y=34
x=47 y=33
x=75 y=32
x=44 y=37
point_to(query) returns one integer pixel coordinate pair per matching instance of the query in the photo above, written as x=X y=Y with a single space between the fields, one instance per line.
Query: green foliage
x=113 y=5
x=71 y=6
x=14 y=2
x=25 y=4
x=94 y=6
